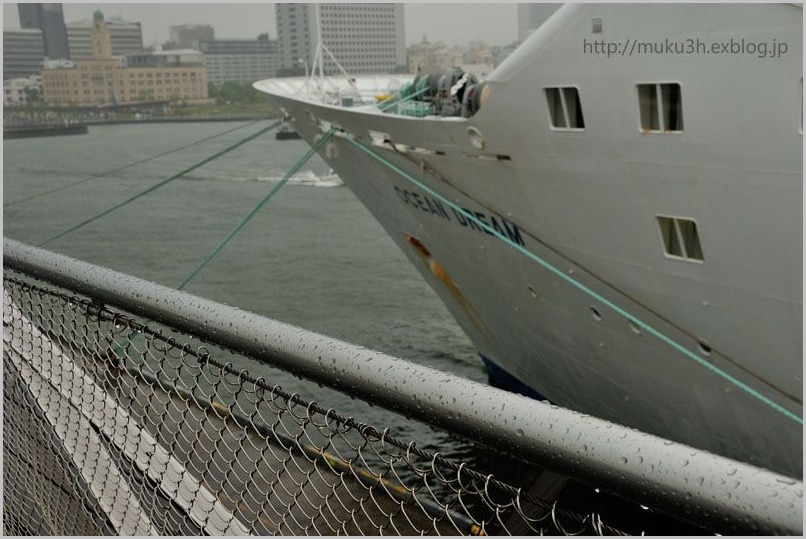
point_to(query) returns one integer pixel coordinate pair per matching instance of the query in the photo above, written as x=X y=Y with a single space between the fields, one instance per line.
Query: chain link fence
x=114 y=425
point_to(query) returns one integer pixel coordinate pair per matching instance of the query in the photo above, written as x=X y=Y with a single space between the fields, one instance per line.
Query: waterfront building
x=175 y=75
x=364 y=38
x=240 y=60
x=126 y=38
x=427 y=57
x=16 y=91
x=478 y=53
x=49 y=19
x=106 y=79
x=23 y=53
x=504 y=52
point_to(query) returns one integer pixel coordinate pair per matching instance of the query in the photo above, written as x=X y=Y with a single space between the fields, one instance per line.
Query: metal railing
x=245 y=457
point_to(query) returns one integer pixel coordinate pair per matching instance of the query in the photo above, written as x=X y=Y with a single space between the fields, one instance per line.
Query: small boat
x=286 y=132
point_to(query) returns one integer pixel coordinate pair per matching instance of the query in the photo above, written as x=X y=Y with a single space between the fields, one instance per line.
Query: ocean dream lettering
x=475 y=220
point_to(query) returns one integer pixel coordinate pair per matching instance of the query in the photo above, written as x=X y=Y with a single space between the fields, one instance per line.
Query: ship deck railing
x=133 y=408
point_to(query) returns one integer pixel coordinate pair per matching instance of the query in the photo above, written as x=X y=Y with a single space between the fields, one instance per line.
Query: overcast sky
x=455 y=24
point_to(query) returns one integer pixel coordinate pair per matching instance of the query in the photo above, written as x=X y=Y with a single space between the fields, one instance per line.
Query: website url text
x=692 y=46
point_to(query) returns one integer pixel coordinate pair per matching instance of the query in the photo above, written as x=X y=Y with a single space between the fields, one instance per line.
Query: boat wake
x=306 y=178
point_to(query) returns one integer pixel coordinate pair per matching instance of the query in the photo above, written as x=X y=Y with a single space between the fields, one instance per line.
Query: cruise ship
x=613 y=215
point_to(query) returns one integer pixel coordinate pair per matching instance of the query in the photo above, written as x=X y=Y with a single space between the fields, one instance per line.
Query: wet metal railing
x=193 y=445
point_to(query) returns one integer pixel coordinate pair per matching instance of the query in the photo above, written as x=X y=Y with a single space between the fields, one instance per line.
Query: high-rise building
x=364 y=38
x=531 y=16
x=50 y=20
x=126 y=37
x=189 y=36
x=29 y=16
x=294 y=39
x=23 y=53
x=240 y=60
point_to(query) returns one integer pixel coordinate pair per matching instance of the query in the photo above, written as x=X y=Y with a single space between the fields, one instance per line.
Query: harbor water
x=313 y=256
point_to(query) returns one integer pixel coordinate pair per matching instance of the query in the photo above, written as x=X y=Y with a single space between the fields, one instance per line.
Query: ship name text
x=436 y=207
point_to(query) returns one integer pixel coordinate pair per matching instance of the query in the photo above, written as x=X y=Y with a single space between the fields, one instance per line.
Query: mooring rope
x=162 y=183
x=310 y=153
x=120 y=169
x=559 y=273
x=294 y=169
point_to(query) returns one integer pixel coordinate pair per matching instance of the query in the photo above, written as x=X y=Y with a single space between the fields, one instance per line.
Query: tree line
x=232 y=92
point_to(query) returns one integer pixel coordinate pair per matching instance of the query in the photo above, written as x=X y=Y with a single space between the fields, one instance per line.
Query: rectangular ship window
x=668 y=232
x=661 y=107
x=565 y=109
x=680 y=238
x=555 y=107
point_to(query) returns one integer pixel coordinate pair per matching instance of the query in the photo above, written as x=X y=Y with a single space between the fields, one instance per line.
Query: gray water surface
x=313 y=256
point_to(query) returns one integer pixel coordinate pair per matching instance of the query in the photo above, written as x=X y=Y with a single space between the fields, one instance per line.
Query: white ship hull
x=587 y=202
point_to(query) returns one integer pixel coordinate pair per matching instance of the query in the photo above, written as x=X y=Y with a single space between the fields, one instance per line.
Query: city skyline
x=454 y=24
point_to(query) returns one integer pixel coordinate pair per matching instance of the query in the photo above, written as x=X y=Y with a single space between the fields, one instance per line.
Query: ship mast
x=319 y=55
x=319 y=45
